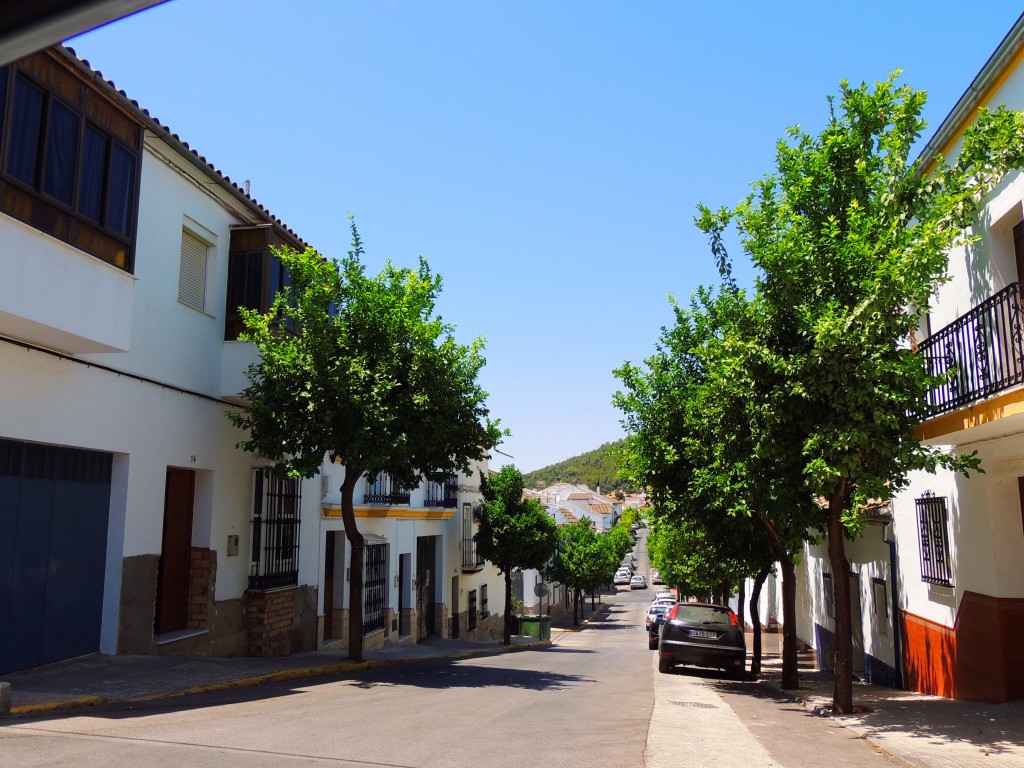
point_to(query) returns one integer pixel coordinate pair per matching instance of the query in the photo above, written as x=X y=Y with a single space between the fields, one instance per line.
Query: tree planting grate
x=693 y=704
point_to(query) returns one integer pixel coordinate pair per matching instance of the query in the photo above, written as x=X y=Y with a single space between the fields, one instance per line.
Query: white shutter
x=192 y=278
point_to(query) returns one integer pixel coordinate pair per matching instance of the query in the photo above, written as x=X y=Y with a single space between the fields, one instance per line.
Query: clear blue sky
x=546 y=157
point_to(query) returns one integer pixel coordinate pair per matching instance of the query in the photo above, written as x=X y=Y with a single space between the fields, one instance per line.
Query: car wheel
x=652 y=643
x=664 y=665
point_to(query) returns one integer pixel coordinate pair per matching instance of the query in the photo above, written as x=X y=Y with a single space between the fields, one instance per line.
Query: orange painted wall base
x=977 y=659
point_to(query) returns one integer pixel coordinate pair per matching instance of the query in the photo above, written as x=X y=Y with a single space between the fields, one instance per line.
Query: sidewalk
x=101 y=679
x=916 y=729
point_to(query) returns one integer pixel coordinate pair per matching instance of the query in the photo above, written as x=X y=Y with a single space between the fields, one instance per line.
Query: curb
x=601 y=608
x=252 y=681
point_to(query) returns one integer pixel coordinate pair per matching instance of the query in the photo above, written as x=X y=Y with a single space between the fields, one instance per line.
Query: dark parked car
x=653 y=630
x=704 y=635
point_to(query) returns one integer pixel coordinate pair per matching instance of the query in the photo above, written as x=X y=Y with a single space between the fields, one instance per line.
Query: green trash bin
x=535 y=626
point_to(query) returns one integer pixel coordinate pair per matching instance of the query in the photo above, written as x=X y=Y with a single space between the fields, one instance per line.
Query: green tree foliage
x=619 y=540
x=595 y=469
x=583 y=560
x=514 y=533
x=850 y=238
x=693 y=413
x=367 y=375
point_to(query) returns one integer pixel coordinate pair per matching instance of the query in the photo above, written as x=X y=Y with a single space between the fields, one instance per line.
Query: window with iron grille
x=275 y=532
x=384 y=489
x=472 y=609
x=444 y=495
x=484 y=613
x=931 y=528
x=375 y=587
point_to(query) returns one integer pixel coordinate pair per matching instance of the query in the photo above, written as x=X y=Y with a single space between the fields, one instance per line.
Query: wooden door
x=176 y=552
x=329 y=586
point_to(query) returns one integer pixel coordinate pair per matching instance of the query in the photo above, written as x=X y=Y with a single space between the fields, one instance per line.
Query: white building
x=422 y=573
x=129 y=520
x=571 y=502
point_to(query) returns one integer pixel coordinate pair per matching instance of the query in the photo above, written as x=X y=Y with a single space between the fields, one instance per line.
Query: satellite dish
x=540 y=589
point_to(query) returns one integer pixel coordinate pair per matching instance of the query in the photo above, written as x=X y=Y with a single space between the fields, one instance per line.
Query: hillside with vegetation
x=594 y=468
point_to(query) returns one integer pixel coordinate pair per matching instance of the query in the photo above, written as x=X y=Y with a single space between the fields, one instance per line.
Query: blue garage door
x=54 y=505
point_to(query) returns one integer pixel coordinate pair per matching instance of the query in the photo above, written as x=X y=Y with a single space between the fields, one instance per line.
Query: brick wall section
x=271 y=619
x=202 y=576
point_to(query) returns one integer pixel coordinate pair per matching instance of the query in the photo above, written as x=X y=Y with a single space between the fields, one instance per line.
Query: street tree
x=514 y=533
x=360 y=369
x=850 y=238
x=695 y=415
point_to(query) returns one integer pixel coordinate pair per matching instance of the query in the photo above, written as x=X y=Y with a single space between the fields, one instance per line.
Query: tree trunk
x=593 y=600
x=741 y=604
x=790 y=674
x=355 y=571
x=575 y=606
x=507 y=639
x=755 y=618
x=842 y=696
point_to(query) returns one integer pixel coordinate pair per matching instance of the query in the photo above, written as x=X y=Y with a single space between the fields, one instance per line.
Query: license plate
x=704 y=633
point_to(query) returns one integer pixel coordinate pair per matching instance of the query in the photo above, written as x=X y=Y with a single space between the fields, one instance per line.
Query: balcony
x=471 y=560
x=443 y=495
x=59 y=297
x=981 y=352
x=384 y=490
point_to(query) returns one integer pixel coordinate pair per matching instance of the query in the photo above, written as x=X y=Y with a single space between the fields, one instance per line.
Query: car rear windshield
x=659 y=609
x=703 y=614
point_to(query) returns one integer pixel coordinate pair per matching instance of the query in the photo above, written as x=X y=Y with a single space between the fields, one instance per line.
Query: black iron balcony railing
x=470 y=557
x=981 y=352
x=444 y=495
x=384 y=490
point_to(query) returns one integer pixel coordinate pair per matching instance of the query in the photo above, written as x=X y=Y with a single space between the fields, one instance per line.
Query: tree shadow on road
x=455 y=675
x=440 y=675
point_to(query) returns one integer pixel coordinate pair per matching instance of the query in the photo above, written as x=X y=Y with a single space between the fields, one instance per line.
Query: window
x=931 y=527
x=881 y=606
x=375 y=587
x=275 y=532
x=444 y=495
x=69 y=159
x=255 y=275
x=830 y=595
x=472 y=609
x=192 y=274
x=384 y=489
x=484 y=613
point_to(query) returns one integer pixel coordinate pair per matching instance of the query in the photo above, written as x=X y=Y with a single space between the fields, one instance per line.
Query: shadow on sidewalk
x=890 y=716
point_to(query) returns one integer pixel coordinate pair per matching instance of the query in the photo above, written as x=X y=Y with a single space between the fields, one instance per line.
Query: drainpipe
x=897 y=642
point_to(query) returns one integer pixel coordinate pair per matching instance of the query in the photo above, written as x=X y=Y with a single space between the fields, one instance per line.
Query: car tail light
x=672 y=612
x=733 y=619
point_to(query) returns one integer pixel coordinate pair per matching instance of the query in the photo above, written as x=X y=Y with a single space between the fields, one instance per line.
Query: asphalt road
x=594 y=700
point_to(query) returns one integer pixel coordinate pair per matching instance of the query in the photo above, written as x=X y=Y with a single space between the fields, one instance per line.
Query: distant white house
x=571 y=502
